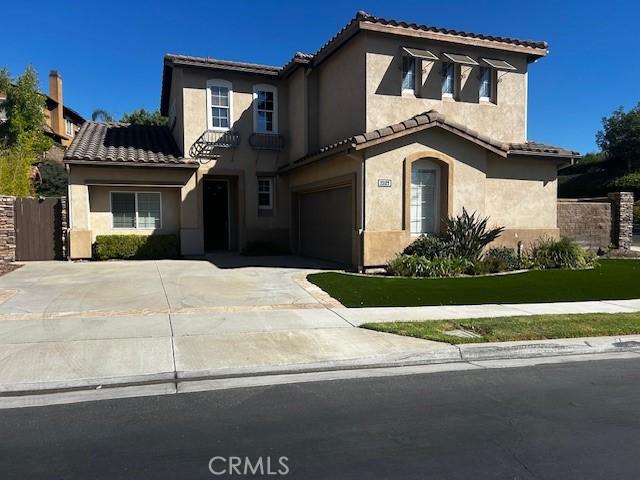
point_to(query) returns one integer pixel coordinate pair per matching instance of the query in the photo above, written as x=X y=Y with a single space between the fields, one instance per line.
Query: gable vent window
x=219 y=103
x=408 y=73
x=486 y=84
x=448 y=79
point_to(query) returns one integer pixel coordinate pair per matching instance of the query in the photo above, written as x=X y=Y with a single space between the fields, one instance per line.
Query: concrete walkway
x=87 y=325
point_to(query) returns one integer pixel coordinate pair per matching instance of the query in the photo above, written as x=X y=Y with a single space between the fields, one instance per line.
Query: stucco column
x=80 y=232
x=191 y=231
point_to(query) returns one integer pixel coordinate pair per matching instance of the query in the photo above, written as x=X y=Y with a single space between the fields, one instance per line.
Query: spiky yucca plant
x=467 y=235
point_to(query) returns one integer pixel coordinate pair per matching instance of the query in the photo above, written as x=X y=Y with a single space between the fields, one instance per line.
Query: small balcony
x=209 y=144
x=266 y=141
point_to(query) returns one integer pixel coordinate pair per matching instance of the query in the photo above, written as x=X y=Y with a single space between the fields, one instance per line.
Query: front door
x=216 y=214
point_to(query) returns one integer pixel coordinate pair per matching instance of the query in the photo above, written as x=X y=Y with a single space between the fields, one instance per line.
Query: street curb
x=465 y=353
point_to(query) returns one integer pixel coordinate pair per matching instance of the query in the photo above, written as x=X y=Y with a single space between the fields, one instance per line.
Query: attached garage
x=326 y=224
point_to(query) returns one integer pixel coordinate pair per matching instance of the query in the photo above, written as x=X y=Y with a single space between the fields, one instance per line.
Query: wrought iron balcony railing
x=211 y=141
x=266 y=141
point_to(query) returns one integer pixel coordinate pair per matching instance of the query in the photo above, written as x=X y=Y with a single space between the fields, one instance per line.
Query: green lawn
x=535 y=327
x=613 y=279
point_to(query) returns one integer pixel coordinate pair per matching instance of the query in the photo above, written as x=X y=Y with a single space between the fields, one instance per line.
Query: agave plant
x=467 y=235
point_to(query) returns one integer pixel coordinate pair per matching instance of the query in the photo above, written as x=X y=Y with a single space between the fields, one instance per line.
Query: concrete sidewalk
x=359 y=316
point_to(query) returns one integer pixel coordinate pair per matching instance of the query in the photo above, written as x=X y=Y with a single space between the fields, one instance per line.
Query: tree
x=22 y=138
x=144 y=117
x=101 y=115
x=619 y=138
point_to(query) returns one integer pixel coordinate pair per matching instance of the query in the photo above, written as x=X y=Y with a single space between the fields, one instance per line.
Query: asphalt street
x=560 y=421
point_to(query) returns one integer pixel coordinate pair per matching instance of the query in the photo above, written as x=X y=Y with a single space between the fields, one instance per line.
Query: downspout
x=361 y=230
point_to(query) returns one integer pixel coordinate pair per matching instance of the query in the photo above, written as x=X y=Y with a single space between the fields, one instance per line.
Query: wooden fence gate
x=39 y=228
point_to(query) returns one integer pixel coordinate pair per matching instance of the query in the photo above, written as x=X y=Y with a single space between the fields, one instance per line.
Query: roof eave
x=535 y=52
x=116 y=163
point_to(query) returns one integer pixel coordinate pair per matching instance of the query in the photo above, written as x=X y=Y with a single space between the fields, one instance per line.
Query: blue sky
x=110 y=53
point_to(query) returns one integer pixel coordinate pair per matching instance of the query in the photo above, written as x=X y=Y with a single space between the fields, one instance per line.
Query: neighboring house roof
x=362 y=21
x=73 y=115
x=430 y=119
x=122 y=143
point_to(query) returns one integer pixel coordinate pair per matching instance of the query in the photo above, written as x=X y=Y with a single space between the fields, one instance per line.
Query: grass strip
x=535 y=327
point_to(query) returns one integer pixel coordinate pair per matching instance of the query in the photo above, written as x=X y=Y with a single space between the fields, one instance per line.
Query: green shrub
x=136 y=247
x=258 y=249
x=548 y=253
x=429 y=246
x=467 y=235
x=503 y=259
x=630 y=181
x=419 y=266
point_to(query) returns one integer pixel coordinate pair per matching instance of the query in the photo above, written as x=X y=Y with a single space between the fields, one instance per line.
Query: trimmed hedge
x=136 y=247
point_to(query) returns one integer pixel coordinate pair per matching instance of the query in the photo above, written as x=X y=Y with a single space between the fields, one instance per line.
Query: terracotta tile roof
x=364 y=16
x=433 y=118
x=122 y=143
x=541 y=148
x=225 y=64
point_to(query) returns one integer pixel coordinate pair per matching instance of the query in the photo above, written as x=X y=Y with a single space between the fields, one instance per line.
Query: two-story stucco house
x=345 y=154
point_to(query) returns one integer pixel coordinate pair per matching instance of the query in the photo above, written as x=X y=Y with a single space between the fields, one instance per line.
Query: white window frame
x=430 y=166
x=270 y=206
x=490 y=98
x=263 y=87
x=415 y=74
x=135 y=194
x=68 y=127
x=455 y=83
x=217 y=82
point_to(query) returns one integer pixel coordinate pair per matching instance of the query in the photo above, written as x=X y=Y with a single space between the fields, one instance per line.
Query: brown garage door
x=326 y=224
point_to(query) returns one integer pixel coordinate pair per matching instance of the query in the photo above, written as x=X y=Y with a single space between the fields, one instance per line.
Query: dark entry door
x=216 y=215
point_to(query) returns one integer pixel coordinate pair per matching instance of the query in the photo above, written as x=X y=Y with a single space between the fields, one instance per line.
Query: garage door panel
x=326 y=224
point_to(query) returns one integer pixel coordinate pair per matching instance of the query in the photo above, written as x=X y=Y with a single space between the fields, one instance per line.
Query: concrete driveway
x=78 y=325
x=50 y=289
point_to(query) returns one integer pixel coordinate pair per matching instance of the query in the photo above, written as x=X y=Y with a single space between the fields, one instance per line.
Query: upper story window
x=486 y=84
x=68 y=128
x=408 y=73
x=448 y=79
x=265 y=109
x=219 y=105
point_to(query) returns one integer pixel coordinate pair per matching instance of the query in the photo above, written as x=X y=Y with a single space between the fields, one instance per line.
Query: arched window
x=425 y=196
x=265 y=109
x=219 y=105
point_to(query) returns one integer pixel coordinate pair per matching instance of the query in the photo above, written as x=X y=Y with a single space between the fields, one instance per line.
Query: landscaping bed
x=535 y=327
x=610 y=280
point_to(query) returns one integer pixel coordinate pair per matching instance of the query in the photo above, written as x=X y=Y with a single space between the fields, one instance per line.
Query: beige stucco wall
x=341 y=93
x=176 y=102
x=298 y=114
x=386 y=105
x=516 y=193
